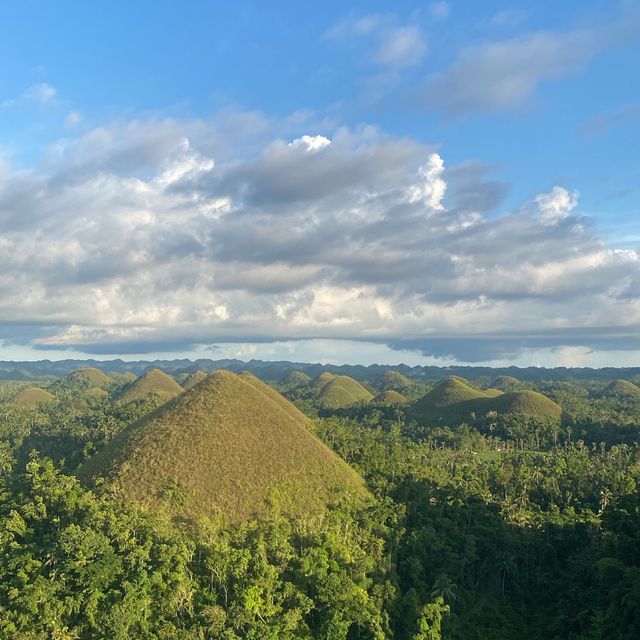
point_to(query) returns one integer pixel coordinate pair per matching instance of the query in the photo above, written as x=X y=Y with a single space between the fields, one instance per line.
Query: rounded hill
x=293 y=380
x=389 y=397
x=622 y=388
x=232 y=445
x=505 y=383
x=341 y=392
x=393 y=381
x=152 y=384
x=32 y=397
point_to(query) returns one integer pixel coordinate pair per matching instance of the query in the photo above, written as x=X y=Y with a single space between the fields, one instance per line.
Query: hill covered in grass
x=505 y=383
x=329 y=391
x=454 y=400
x=193 y=379
x=32 y=397
x=392 y=381
x=231 y=444
x=389 y=397
x=293 y=380
x=152 y=384
x=622 y=388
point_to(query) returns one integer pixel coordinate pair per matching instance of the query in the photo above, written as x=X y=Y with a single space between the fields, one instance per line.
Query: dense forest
x=495 y=520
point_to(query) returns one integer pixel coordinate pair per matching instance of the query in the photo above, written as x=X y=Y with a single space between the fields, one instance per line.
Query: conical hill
x=32 y=397
x=622 y=388
x=153 y=383
x=231 y=444
x=193 y=379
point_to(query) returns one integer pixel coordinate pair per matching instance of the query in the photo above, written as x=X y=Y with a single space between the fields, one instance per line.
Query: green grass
x=449 y=391
x=454 y=400
x=293 y=380
x=341 y=392
x=389 y=397
x=492 y=393
x=152 y=383
x=89 y=378
x=32 y=397
x=505 y=383
x=622 y=388
x=393 y=381
x=230 y=445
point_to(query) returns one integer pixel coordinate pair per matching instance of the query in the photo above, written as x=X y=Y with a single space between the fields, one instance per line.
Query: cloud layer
x=144 y=236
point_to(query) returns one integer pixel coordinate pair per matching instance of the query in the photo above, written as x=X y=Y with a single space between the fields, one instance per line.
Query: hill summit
x=231 y=444
x=152 y=383
x=32 y=397
x=454 y=400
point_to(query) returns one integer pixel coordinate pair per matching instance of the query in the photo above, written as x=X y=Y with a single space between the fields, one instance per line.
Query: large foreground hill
x=231 y=445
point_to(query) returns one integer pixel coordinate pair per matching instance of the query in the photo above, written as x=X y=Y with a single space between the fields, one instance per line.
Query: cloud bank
x=161 y=235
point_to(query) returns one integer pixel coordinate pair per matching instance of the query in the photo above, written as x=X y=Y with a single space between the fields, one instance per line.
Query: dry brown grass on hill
x=231 y=444
x=389 y=397
x=193 y=379
x=32 y=397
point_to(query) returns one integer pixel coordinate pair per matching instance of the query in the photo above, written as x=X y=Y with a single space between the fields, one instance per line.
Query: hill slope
x=32 y=397
x=293 y=380
x=392 y=381
x=341 y=392
x=622 y=388
x=152 y=383
x=193 y=379
x=453 y=401
x=389 y=397
x=230 y=444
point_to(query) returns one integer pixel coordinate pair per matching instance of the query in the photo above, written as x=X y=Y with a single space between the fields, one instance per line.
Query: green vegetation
x=154 y=383
x=221 y=515
x=230 y=445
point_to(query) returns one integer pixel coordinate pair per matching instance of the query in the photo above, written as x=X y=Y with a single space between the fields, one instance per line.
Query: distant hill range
x=230 y=445
x=276 y=371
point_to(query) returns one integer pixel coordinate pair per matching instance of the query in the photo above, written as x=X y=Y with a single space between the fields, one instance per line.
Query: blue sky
x=515 y=99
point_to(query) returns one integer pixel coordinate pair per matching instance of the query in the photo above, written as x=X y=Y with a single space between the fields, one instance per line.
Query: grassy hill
x=230 y=444
x=393 y=381
x=89 y=378
x=449 y=391
x=31 y=397
x=505 y=383
x=341 y=392
x=154 y=383
x=389 y=397
x=492 y=393
x=622 y=388
x=193 y=379
x=293 y=380
x=454 y=400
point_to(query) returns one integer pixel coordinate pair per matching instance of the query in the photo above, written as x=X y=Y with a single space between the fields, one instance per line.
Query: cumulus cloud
x=143 y=236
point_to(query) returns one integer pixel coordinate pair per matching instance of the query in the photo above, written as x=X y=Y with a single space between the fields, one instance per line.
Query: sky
x=423 y=182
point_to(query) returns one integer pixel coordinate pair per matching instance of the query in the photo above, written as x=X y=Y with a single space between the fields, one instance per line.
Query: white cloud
x=41 y=93
x=72 y=120
x=556 y=205
x=498 y=76
x=401 y=47
x=395 y=46
x=138 y=236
